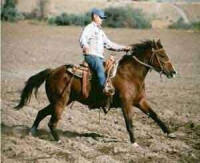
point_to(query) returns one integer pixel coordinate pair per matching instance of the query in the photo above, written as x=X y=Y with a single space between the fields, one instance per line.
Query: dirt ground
x=28 y=48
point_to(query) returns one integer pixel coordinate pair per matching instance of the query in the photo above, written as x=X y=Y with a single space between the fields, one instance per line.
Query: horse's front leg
x=144 y=106
x=128 y=120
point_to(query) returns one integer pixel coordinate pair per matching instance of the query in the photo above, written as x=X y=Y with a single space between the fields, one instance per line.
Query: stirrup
x=109 y=91
x=106 y=108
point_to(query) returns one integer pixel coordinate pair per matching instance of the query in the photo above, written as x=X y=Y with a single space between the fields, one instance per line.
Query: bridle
x=154 y=55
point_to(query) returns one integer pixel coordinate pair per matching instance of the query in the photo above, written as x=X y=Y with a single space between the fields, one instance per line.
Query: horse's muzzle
x=171 y=74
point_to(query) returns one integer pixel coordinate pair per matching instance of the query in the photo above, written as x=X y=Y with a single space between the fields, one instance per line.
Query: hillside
x=164 y=12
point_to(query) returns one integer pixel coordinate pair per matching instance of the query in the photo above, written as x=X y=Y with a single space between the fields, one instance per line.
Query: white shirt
x=96 y=40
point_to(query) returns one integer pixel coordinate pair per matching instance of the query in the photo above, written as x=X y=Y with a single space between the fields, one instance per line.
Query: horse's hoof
x=59 y=142
x=135 y=145
x=33 y=131
x=171 y=135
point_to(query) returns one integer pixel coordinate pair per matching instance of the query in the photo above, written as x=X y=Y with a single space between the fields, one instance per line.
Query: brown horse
x=62 y=87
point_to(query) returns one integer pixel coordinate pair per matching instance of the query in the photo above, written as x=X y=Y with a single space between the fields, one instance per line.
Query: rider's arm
x=108 y=44
x=84 y=39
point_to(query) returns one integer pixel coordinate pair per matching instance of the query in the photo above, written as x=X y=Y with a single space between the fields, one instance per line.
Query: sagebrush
x=9 y=11
x=116 y=18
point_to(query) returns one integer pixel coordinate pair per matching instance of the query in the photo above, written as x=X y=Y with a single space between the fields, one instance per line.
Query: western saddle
x=83 y=71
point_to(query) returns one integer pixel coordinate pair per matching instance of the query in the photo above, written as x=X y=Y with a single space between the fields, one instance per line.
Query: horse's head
x=160 y=61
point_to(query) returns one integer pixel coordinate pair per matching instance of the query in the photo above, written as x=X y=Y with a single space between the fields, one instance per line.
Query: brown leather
x=108 y=64
x=84 y=64
x=84 y=72
x=85 y=84
x=81 y=68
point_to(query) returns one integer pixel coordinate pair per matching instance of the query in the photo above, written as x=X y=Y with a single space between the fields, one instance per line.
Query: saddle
x=83 y=71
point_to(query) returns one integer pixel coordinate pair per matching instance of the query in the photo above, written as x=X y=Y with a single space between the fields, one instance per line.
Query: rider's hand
x=112 y=58
x=127 y=48
x=85 y=50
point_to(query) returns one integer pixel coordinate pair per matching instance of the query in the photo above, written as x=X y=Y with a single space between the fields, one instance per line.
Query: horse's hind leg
x=144 y=106
x=55 y=117
x=40 y=116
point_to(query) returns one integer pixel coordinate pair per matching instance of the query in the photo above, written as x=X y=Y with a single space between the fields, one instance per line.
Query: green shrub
x=196 y=25
x=180 y=24
x=126 y=17
x=117 y=17
x=9 y=11
x=70 y=19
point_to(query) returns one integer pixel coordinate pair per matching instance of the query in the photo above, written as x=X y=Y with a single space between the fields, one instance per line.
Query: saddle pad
x=78 y=71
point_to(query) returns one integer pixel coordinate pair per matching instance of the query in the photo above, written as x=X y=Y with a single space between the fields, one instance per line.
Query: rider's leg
x=96 y=65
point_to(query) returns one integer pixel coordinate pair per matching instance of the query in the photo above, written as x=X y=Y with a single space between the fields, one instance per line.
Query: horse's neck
x=143 y=69
x=136 y=69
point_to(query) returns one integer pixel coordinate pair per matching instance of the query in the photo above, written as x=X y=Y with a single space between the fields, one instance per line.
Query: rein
x=154 y=54
x=143 y=63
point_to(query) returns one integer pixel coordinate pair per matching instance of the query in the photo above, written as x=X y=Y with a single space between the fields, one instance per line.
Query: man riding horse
x=92 y=41
x=63 y=87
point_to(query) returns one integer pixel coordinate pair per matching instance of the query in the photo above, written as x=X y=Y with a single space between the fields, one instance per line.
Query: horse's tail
x=34 y=82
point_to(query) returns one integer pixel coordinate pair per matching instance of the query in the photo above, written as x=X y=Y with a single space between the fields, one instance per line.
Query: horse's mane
x=138 y=48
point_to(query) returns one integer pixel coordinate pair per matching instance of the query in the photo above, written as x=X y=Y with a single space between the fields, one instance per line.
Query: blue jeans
x=96 y=65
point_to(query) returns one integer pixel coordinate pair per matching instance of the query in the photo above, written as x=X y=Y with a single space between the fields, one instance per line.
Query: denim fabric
x=96 y=65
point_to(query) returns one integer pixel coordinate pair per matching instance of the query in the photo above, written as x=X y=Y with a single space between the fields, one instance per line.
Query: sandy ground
x=28 y=48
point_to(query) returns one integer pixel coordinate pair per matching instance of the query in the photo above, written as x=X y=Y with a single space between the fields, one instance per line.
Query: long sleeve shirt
x=95 y=40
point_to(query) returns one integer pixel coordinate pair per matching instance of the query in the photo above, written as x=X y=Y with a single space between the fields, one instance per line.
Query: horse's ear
x=159 y=43
x=153 y=43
